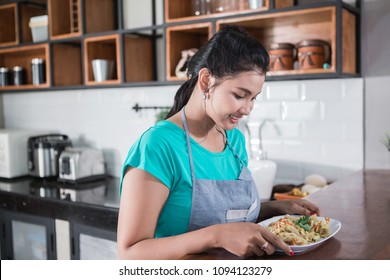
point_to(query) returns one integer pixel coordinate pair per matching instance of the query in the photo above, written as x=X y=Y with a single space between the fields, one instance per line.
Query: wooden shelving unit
x=83 y=30
x=329 y=21
x=65 y=18
x=22 y=56
x=184 y=37
x=102 y=47
x=9 y=35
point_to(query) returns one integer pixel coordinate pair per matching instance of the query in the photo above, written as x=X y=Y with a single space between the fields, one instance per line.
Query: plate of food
x=302 y=233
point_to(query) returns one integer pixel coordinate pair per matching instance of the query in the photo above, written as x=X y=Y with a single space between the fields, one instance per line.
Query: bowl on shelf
x=263 y=172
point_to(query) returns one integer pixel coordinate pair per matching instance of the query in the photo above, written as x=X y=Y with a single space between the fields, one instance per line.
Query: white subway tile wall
x=311 y=126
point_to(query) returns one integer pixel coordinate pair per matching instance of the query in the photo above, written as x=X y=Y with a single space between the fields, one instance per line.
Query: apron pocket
x=240 y=214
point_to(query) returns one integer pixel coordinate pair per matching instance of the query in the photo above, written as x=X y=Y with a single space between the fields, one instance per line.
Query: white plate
x=334 y=227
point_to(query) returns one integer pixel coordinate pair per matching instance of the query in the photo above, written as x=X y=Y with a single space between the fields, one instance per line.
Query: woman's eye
x=238 y=96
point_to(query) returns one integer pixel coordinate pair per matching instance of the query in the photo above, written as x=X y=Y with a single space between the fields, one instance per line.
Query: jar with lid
x=282 y=56
x=313 y=53
x=4 y=76
x=221 y=6
x=19 y=75
x=38 y=71
x=200 y=7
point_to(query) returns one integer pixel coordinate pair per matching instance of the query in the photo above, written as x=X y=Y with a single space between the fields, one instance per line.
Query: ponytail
x=182 y=96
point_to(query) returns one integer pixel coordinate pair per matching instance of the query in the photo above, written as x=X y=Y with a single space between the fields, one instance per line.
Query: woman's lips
x=234 y=119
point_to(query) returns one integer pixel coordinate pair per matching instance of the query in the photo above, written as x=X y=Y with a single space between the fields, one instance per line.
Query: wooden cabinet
x=333 y=22
x=81 y=31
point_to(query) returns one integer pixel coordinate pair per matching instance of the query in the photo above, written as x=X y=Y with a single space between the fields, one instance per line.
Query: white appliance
x=13 y=151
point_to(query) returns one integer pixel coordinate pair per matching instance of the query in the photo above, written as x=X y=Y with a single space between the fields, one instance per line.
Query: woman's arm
x=143 y=198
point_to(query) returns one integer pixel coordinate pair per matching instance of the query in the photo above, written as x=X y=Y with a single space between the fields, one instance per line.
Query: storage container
x=282 y=56
x=313 y=54
x=39 y=28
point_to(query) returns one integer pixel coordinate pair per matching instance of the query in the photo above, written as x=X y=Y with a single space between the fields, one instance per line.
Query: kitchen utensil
x=43 y=152
x=102 y=69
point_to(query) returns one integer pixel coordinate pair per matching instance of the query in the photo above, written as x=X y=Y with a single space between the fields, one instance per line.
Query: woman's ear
x=204 y=77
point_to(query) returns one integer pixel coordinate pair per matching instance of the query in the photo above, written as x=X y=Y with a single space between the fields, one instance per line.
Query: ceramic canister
x=281 y=56
x=313 y=53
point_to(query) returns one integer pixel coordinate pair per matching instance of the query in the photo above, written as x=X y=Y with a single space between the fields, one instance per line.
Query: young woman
x=185 y=186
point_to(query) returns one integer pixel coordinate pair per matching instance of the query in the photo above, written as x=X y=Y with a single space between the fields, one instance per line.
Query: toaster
x=81 y=164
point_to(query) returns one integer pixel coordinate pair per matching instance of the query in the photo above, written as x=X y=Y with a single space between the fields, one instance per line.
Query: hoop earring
x=204 y=96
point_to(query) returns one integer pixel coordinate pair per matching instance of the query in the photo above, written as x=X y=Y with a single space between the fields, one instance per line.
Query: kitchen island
x=361 y=202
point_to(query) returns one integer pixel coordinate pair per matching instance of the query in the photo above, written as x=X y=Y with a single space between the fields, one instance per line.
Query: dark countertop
x=95 y=203
x=361 y=202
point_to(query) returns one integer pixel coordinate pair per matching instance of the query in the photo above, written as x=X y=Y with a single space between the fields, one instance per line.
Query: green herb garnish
x=303 y=222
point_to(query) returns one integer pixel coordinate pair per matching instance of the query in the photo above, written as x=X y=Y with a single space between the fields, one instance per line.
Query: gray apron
x=221 y=201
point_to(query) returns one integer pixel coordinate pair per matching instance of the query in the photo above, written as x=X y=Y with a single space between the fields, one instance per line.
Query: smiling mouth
x=235 y=118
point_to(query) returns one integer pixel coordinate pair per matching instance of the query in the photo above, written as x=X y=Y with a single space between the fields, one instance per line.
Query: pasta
x=300 y=230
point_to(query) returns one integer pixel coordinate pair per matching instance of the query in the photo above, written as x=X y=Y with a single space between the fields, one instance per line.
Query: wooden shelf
x=179 y=10
x=100 y=16
x=298 y=25
x=67 y=68
x=9 y=25
x=27 y=11
x=22 y=56
x=102 y=47
x=83 y=30
x=184 y=37
x=64 y=18
x=138 y=58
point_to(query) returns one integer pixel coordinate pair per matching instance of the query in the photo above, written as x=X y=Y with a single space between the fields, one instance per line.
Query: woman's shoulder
x=162 y=132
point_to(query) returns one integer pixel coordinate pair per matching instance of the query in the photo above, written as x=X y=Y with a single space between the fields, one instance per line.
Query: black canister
x=38 y=72
x=19 y=75
x=4 y=77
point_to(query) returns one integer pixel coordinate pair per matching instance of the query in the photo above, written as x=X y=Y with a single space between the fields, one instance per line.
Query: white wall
x=312 y=126
x=99 y=118
x=320 y=122
x=376 y=71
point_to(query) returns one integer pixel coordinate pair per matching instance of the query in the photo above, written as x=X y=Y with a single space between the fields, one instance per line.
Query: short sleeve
x=151 y=153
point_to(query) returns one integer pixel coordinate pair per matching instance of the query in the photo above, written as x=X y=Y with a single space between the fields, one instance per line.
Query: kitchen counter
x=361 y=202
x=94 y=204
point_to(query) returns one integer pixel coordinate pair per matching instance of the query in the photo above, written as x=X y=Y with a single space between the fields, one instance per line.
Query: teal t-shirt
x=162 y=152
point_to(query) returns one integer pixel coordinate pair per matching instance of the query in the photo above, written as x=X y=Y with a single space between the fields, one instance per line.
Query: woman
x=185 y=185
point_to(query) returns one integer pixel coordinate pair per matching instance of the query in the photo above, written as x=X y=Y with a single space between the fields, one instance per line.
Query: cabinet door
x=91 y=243
x=27 y=237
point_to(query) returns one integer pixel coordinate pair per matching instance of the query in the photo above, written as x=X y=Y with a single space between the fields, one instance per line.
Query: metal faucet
x=263 y=154
x=243 y=126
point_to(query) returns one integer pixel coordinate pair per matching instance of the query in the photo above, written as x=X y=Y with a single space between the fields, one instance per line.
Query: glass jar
x=200 y=7
x=221 y=6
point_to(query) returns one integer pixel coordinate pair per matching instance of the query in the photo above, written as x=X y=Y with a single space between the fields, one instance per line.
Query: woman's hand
x=247 y=239
x=282 y=207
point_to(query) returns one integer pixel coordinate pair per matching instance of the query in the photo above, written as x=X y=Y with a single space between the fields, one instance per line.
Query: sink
x=263 y=172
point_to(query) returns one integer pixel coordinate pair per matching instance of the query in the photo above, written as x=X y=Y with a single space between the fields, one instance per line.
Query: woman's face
x=234 y=98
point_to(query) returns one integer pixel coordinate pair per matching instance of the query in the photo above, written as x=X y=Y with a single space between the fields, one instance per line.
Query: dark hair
x=229 y=52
